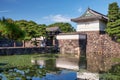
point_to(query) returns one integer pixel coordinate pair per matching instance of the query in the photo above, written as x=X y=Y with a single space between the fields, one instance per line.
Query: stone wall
x=101 y=51
x=69 y=45
x=12 y=51
x=30 y=43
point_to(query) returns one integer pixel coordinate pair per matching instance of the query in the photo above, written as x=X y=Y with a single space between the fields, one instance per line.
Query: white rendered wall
x=67 y=36
x=91 y=26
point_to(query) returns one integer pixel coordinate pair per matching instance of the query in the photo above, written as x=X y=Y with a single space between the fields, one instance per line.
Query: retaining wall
x=101 y=51
x=69 y=44
x=12 y=51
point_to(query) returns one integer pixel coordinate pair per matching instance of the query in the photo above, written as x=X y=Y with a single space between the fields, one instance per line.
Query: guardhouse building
x=91 y=21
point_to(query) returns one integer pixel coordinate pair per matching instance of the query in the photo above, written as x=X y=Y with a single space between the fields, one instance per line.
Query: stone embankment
x=30 y=50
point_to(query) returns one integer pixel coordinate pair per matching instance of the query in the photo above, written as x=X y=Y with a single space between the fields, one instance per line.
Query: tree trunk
x=14 y=44
x=23 y=43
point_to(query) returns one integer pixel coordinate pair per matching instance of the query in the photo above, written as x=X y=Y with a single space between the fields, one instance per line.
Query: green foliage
x=113 y=26
x=113 y=12
x=26 y=30
x=24 y=60
x=112 y=74
x=16 y=60
x=9 y=29
x=32 y=29
x=24 y=72
x=9 y=64
x=64 y=27
x=116 y=60
x=115 y=70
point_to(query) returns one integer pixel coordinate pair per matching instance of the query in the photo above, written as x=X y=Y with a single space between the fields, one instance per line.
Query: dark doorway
x=83 y=43
x=49 y=41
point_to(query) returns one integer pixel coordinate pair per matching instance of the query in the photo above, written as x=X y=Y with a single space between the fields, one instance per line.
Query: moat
x=51 y=67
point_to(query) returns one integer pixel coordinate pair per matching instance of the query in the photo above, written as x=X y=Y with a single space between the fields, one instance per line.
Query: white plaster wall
x=67 y=36
x=91 y=26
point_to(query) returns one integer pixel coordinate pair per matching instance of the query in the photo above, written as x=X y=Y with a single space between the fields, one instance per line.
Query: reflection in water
x=38 y=62
x=16 y=75
x=60 y=62
x=63 y=75
x=47 y=69
x=55 y=65
x=67 y=63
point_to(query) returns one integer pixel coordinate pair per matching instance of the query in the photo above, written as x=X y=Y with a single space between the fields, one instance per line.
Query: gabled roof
x=53 y=29
x=90 y=15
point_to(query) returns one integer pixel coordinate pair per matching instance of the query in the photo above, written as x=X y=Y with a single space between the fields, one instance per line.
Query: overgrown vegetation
x=23 y=60
x=16 y=60
x=20 y=65
x=112 y=74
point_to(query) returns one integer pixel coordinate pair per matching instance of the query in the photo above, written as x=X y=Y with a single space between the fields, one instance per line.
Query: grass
x=16 y=60
x=116 y=60
x=22 y=60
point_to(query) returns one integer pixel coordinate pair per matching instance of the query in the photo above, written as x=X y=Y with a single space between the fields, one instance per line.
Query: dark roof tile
x=53 y=29
x=93 y=15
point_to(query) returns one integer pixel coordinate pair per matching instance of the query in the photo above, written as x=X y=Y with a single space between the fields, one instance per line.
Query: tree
x=113 y=12
x=9 y=29
x=38 y=31
x=32 y=29
x=64 y=27
x=113 y=25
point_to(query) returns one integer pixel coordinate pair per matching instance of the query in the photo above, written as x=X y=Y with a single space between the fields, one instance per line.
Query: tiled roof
x=90 y=15
x=53 y=29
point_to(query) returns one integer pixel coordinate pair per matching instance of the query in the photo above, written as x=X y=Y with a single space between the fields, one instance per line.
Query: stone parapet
x=69 y=44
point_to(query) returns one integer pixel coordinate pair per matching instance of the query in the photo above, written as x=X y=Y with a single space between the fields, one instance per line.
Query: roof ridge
x=97 y=12
x=90 y=14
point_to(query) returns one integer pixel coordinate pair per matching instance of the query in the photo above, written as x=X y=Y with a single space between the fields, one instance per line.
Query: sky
x=51 y=11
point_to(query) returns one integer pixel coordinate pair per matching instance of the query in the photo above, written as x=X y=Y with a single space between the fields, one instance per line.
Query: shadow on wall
x=82 y=44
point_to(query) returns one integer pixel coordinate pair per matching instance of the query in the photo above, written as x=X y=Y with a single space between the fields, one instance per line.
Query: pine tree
x=113 y=12
x=113 y=25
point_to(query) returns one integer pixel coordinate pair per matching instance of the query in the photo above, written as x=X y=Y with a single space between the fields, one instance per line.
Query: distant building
x=52 y=32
